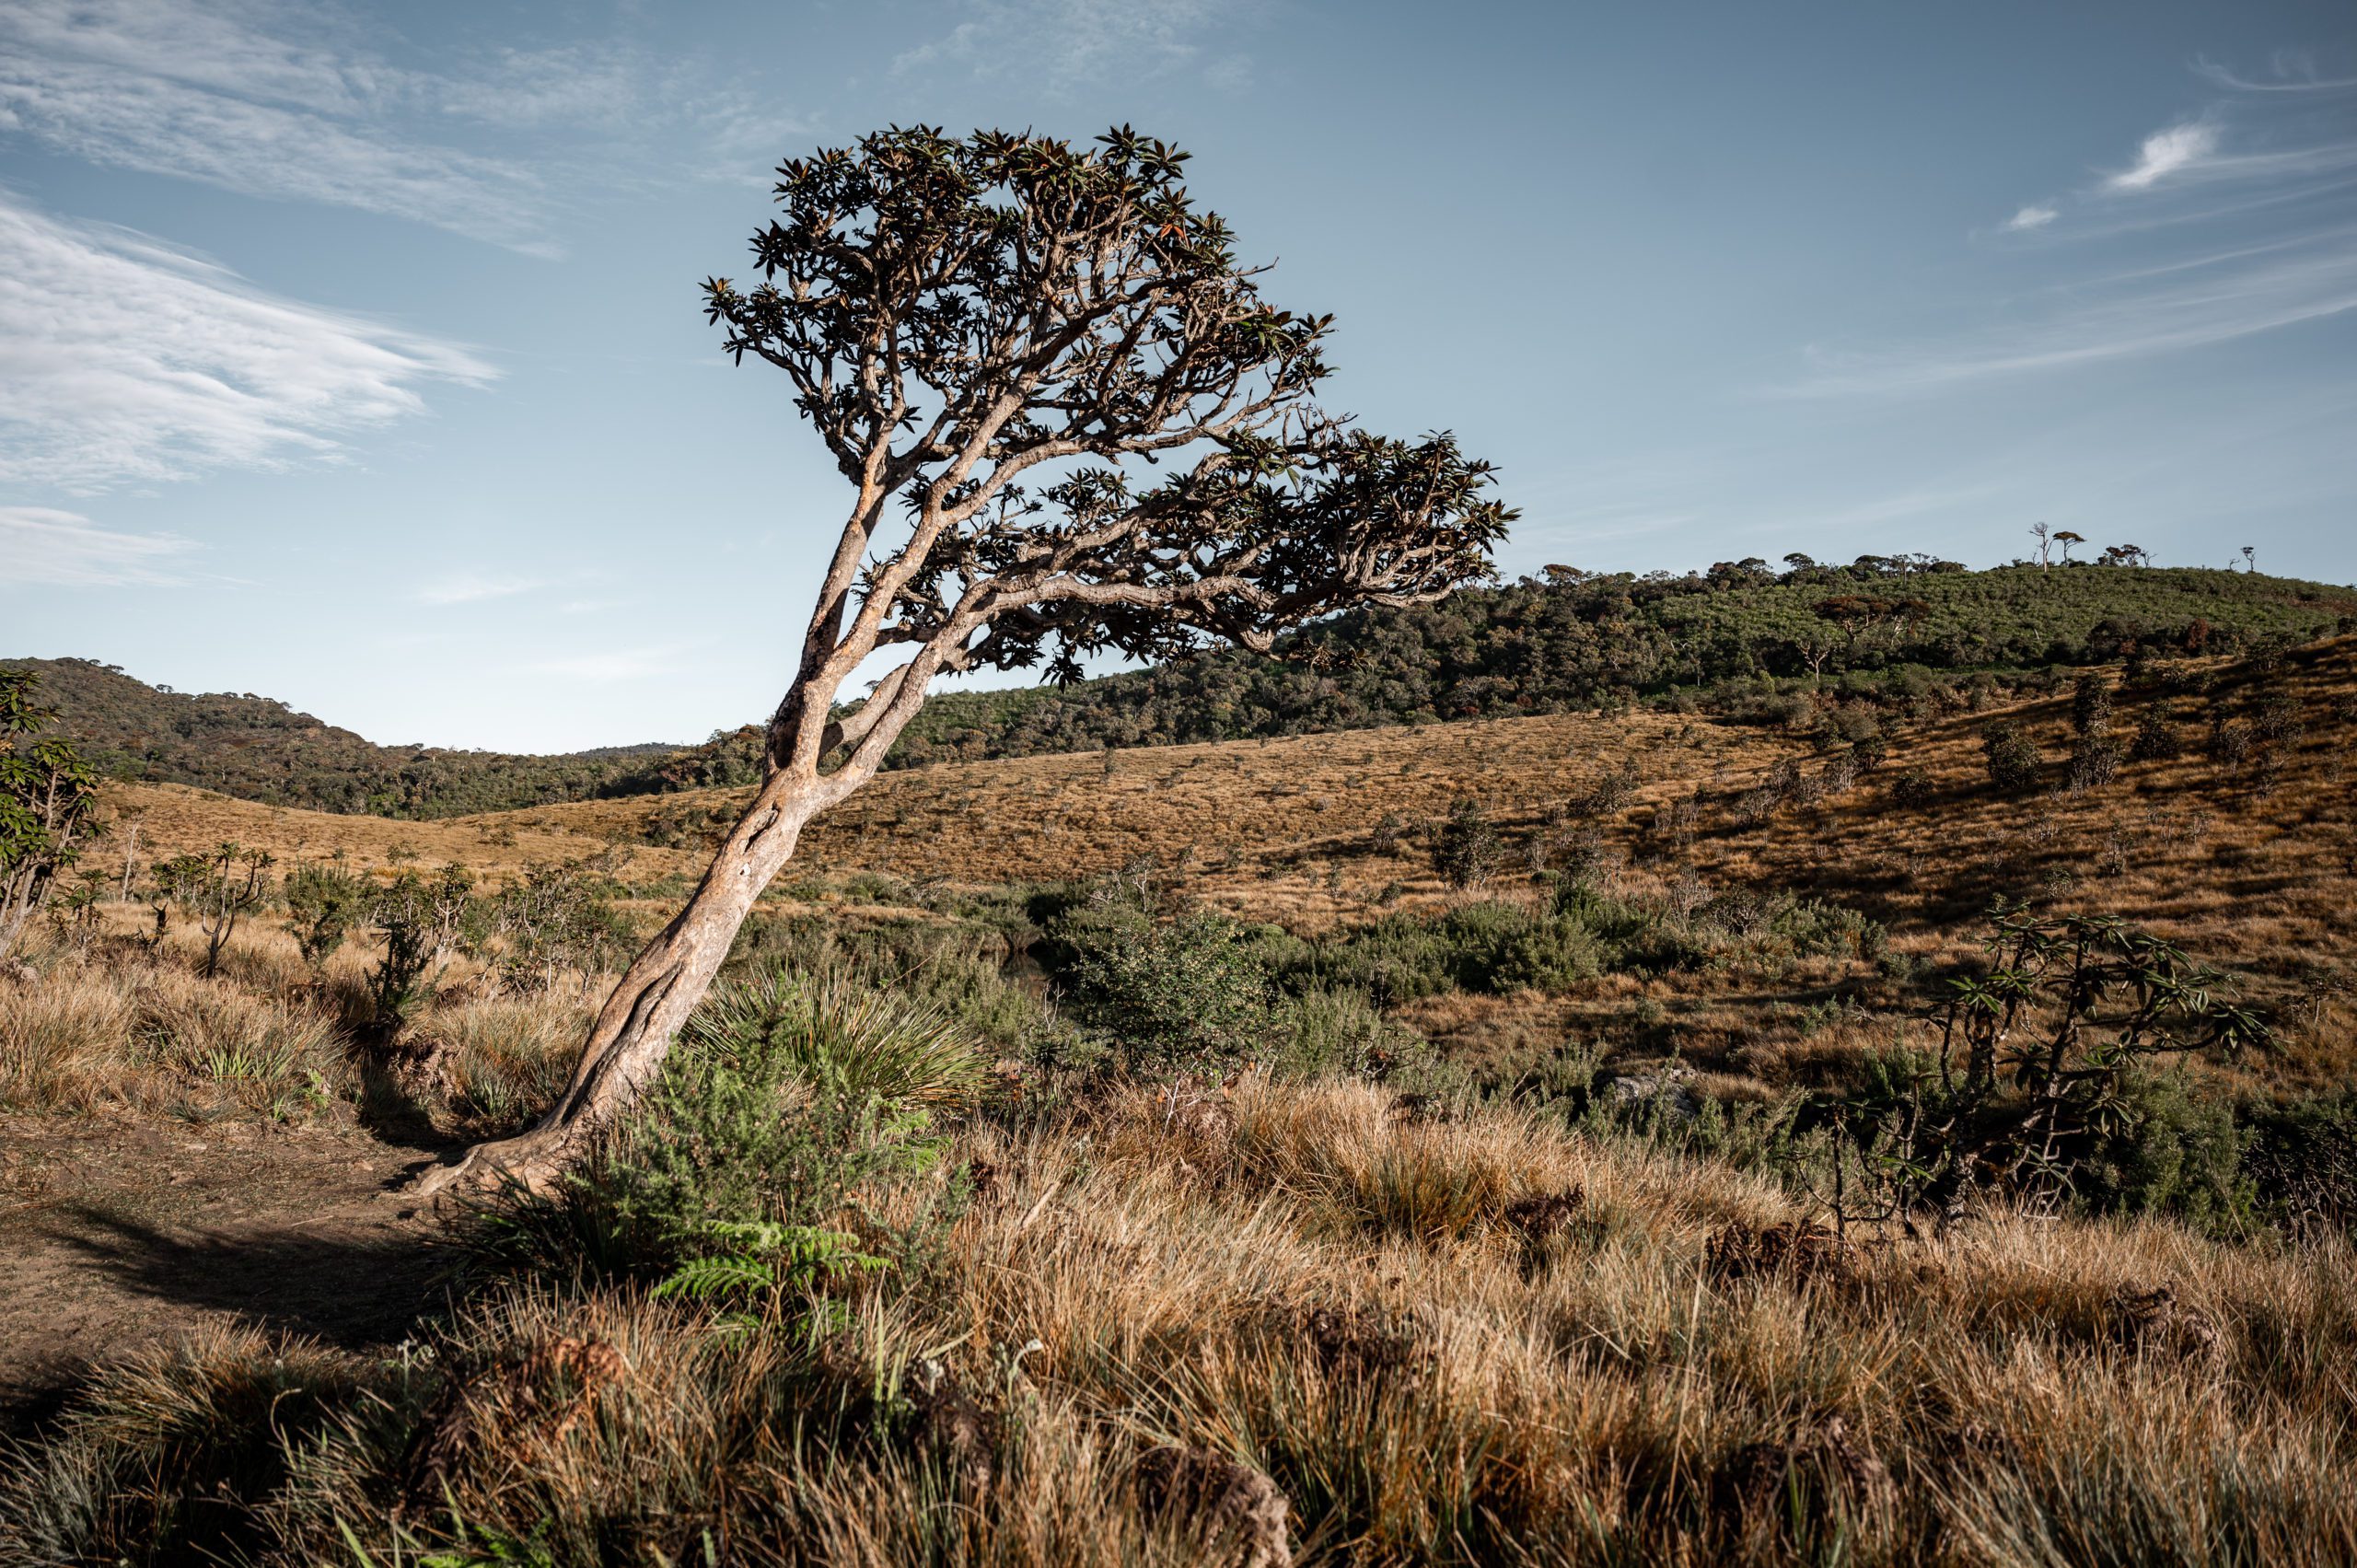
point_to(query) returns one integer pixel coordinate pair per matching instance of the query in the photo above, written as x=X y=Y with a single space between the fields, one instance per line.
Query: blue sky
x=352 y=354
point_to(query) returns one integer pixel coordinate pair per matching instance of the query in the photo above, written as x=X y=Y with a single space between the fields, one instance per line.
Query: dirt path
x=117 y=1234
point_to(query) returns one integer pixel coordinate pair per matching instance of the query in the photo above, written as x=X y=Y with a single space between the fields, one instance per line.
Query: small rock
x=2156 y=1320
x=1237 y=1513
x=1669 y=1088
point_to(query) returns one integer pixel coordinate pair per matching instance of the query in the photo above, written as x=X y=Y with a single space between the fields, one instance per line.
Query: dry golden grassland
x=1437 y=1328
x=175 y=820
x=2256 y=871
x=1474 y=1341
x=127 y=1028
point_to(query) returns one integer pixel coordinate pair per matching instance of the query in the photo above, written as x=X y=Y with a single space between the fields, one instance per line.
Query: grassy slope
x=2258 y=873
x=1485 y=653
x=1472 y=1337
x=1344 y=1296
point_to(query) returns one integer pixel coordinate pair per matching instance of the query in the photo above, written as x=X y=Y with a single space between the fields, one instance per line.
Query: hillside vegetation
x=1520 y=1138
x=259 y=749
x=1734 y=641
x=2242 y=842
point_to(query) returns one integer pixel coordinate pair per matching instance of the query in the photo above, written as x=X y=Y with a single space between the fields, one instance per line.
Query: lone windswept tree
x=1070 y=425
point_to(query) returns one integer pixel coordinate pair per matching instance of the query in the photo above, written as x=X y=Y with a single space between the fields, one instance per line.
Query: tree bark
x=633 y=1029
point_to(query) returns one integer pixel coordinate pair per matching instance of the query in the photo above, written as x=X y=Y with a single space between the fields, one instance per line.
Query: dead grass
x=149 y=1035
x=2256 y=873
x=1354 y=1302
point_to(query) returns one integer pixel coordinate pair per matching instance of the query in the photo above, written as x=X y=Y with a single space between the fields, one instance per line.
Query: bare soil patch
x=121 y=1233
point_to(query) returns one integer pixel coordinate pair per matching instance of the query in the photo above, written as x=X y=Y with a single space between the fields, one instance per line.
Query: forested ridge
x=1721 y=641
x=1724 y=640
x=256 y=748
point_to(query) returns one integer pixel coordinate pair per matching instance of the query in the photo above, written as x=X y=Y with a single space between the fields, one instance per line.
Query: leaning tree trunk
x=662 y=986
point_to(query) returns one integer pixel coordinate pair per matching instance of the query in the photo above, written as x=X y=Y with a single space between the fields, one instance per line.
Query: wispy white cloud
x=48 y=548
x=470 y=587
x=2290 y=73
x=2225 y=298
x=1070 y=43
x=296 y=104
x=2236 y=221
x=610 y=665
x=124 y=360
x=2166 y=153
x=221 y=94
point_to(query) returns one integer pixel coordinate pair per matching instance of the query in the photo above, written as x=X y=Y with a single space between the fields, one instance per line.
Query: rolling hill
x=2242 y=843
x=1736 y=641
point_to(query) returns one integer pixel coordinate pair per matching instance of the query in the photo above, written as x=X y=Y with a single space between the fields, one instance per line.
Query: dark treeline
x=1732 y=640
x=1729 y=640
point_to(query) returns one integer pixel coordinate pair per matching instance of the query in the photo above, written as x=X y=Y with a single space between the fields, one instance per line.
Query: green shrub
x=2302 y=1161
x=1811 y=928
x=873 y=1043
x=1342 y=1032
x=324 y=901
x=2168 y=1150
x=2091 y=705
x=2013 y=757
x=2094 y=762
x=2156 y=738
x=752 y=1128
x=1185 y=995
x=956 y=964
x=1467 y=851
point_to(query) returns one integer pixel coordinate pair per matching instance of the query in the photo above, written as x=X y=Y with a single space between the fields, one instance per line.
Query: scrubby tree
x=1467 y=850
x=1071 y=426
x=2091 y=703
x=420 y=923
x=216 y=889
x=48 y=802
x=2013 y=757
x=324 y=900
x=2039 y=1071
x=2094 y=759
x=2156 y=738
x=555 y=917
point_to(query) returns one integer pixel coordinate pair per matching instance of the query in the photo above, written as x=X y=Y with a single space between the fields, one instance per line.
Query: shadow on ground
x=345 y=1285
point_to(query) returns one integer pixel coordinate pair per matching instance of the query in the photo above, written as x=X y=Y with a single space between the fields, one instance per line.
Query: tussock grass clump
x=176 y=1454
x=84 y=1035
x=502 y=1059
x=870 y=1041
x=63 y=1041
x=218 y=1031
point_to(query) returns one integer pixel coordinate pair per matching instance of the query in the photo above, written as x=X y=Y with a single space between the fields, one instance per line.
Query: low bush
x=2300 y=1161
x=2013 y=758
x=776 y=1118
x=1187 y=994
x=1495 y=946
x=2167 y=1149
